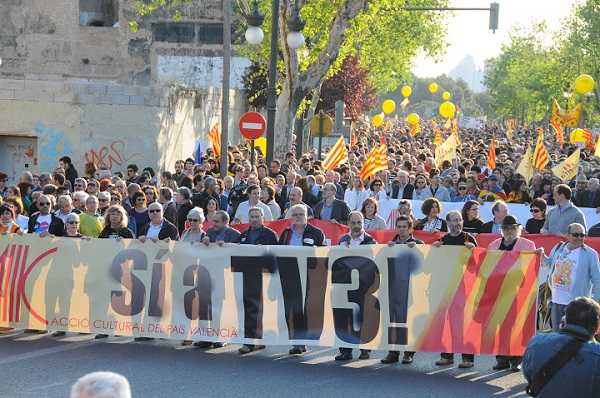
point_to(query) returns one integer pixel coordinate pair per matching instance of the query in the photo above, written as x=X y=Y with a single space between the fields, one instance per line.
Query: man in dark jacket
x=44 y=222
x=356 y=237
x=184 y=205
x=578 y=377
x=499 y=211
x=300 y=233
x=165 y=198
x=256 y=234
x=401 y=187
x=330 y=208
x=158 y=228
x=221 y=232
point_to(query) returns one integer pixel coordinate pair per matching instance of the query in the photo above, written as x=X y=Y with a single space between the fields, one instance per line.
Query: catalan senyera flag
x=563 y=117
x=404 y=103
x=589 y=139
x=214 y=136
x=377 y=161
x=558 y=129
x=491 y=158
x=568 y=168
x=337 y=155
x=437 y=138
x=526 y=166
x=541 y=157
x=597 y=151
x=415 y=129
x=455 y=130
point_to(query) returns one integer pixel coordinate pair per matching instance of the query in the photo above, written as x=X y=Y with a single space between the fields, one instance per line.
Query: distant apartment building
x=76 y=80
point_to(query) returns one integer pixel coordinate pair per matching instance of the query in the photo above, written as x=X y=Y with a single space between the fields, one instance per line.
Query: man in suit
x=295 y=198
x=300 y=233
x=401 y=187
x=165 y=198
x=287 y=188
x=330 y=208
x=356 y=237
x=256 y=234
x=221 y=232
x=499 y=211
x=184 y=205
x=158 y=228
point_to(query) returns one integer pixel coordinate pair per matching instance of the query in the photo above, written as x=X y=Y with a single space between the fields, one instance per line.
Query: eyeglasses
x=462 y=188
x=102 y=200
x=73 y=222
x=193 y=220
x=44 y=204
x=577 y=235
x=534 y=210
x=297 y=214
x=154 y=211
x=140 y=200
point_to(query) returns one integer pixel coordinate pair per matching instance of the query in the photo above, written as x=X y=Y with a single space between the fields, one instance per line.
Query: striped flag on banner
x=560 y=132
x=336 y=155
x=377 y=161
x=541 y=157
x=214 y=136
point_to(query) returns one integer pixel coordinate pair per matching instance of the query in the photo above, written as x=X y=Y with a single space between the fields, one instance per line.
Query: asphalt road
x=44 y=366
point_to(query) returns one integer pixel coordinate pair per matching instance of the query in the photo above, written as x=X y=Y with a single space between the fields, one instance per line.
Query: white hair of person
x=72 y=217
x=81 y=195
x=330 y=186
x=356 y=213
x=104 y=194
x=300 y=206
x=155 y=205
x=198 y=212
x=228 y=178
x=101 y=385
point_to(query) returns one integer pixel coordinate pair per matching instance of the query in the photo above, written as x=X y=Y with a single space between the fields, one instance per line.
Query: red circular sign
x=252 y=125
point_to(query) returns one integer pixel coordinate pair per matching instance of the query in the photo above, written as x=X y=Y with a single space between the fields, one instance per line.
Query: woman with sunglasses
x=139 y=212
x=72 y=223
x=194 y=233
x=151 y=194
x=115 y=224
x=538 y=216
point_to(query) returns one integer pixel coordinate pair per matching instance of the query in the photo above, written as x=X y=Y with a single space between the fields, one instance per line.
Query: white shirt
x=356 y=242
x=153 y=230
x=242 y=212
x=42 y=223
x=561 y=280
x=355 y=198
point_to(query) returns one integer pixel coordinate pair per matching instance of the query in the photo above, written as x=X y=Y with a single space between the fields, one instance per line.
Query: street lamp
x=295 y=39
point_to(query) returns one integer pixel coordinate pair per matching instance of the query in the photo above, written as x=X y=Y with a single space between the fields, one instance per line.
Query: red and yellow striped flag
x=377 y=161
x=455 y=130
x=558 y=129
x=541 y=157
x=589 y=139
x=491 y=161
x=336 y=155
x=214 y=136
x=437 y=139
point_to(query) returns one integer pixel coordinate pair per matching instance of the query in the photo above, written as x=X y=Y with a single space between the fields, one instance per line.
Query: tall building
x=76 y=80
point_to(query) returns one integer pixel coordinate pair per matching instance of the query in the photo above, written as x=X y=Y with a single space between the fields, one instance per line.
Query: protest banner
x=447 y=299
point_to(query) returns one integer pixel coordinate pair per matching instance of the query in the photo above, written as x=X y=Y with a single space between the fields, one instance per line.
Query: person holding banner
x=221 y=232
x=404 y=236
x=44 y=222
x=432 y=222
x=194 y=233
x=158 y=228
x=300 y=233
x=456 y=237
x=330 y=208
x=499 y=211
x=538 y=216
x=356 y=237
x=511 y=240
x=256 y=234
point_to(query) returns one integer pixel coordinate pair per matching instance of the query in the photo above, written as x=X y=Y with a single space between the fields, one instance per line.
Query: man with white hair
x=101 y=385
x=158 y=228
x=79 y=200
x=295 y=198
x=401 y=186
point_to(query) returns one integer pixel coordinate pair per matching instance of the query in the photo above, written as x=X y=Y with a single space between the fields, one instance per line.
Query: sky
x=468 y=31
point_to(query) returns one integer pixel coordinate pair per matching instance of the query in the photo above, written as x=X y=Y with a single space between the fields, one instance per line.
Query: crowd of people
x=192 y=203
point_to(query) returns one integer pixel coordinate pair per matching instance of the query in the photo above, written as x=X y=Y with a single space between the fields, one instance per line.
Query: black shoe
x=58 y=334
x=391 y=357
x=345 y=356
x=34 y=331
x=407 y=358
x=501 y=366
x=246 y=349
x=219 y=345
x=364 y=354
x=515 y=366
x=298 y=350
x=203 y=344
x=100 y=336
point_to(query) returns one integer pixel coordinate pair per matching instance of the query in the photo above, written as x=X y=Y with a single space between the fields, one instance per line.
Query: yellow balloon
x=433 y=88
x=577 y=135
x=389 y=106
x=413 y=119
x=378 y=120
x=406 y=91
x=261 y=143
x=584 y=84
x=446 y=96
x=447 y=110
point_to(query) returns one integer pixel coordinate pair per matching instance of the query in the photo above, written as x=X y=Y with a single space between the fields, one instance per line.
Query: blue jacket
x=580 y=377
x=587 y=279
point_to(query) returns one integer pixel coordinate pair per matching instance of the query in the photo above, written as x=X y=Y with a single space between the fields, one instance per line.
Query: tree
x=351 y=85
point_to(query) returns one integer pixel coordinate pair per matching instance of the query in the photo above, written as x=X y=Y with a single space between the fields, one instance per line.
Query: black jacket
x=368 y=240
x=486 y=228
x=407 y=194
x=168 y=230
x=170 y=212
x=182 y=212
x=339 y=212
x=312 y=236
x=266 y=236
x=56 y=228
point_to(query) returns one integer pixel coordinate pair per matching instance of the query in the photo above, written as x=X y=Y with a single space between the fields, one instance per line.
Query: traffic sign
x=252 y=125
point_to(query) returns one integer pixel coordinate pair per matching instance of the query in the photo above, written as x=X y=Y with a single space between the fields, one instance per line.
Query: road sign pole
x=252 y=154
x=321 y=121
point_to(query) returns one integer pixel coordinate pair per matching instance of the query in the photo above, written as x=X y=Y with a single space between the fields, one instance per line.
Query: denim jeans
x=557 y=311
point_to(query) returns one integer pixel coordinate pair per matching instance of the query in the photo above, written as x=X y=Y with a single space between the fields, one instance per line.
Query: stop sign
x=252 y=125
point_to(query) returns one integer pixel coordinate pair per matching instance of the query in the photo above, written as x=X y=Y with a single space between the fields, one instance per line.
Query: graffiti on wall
x=52 y=145
x=109 y=156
